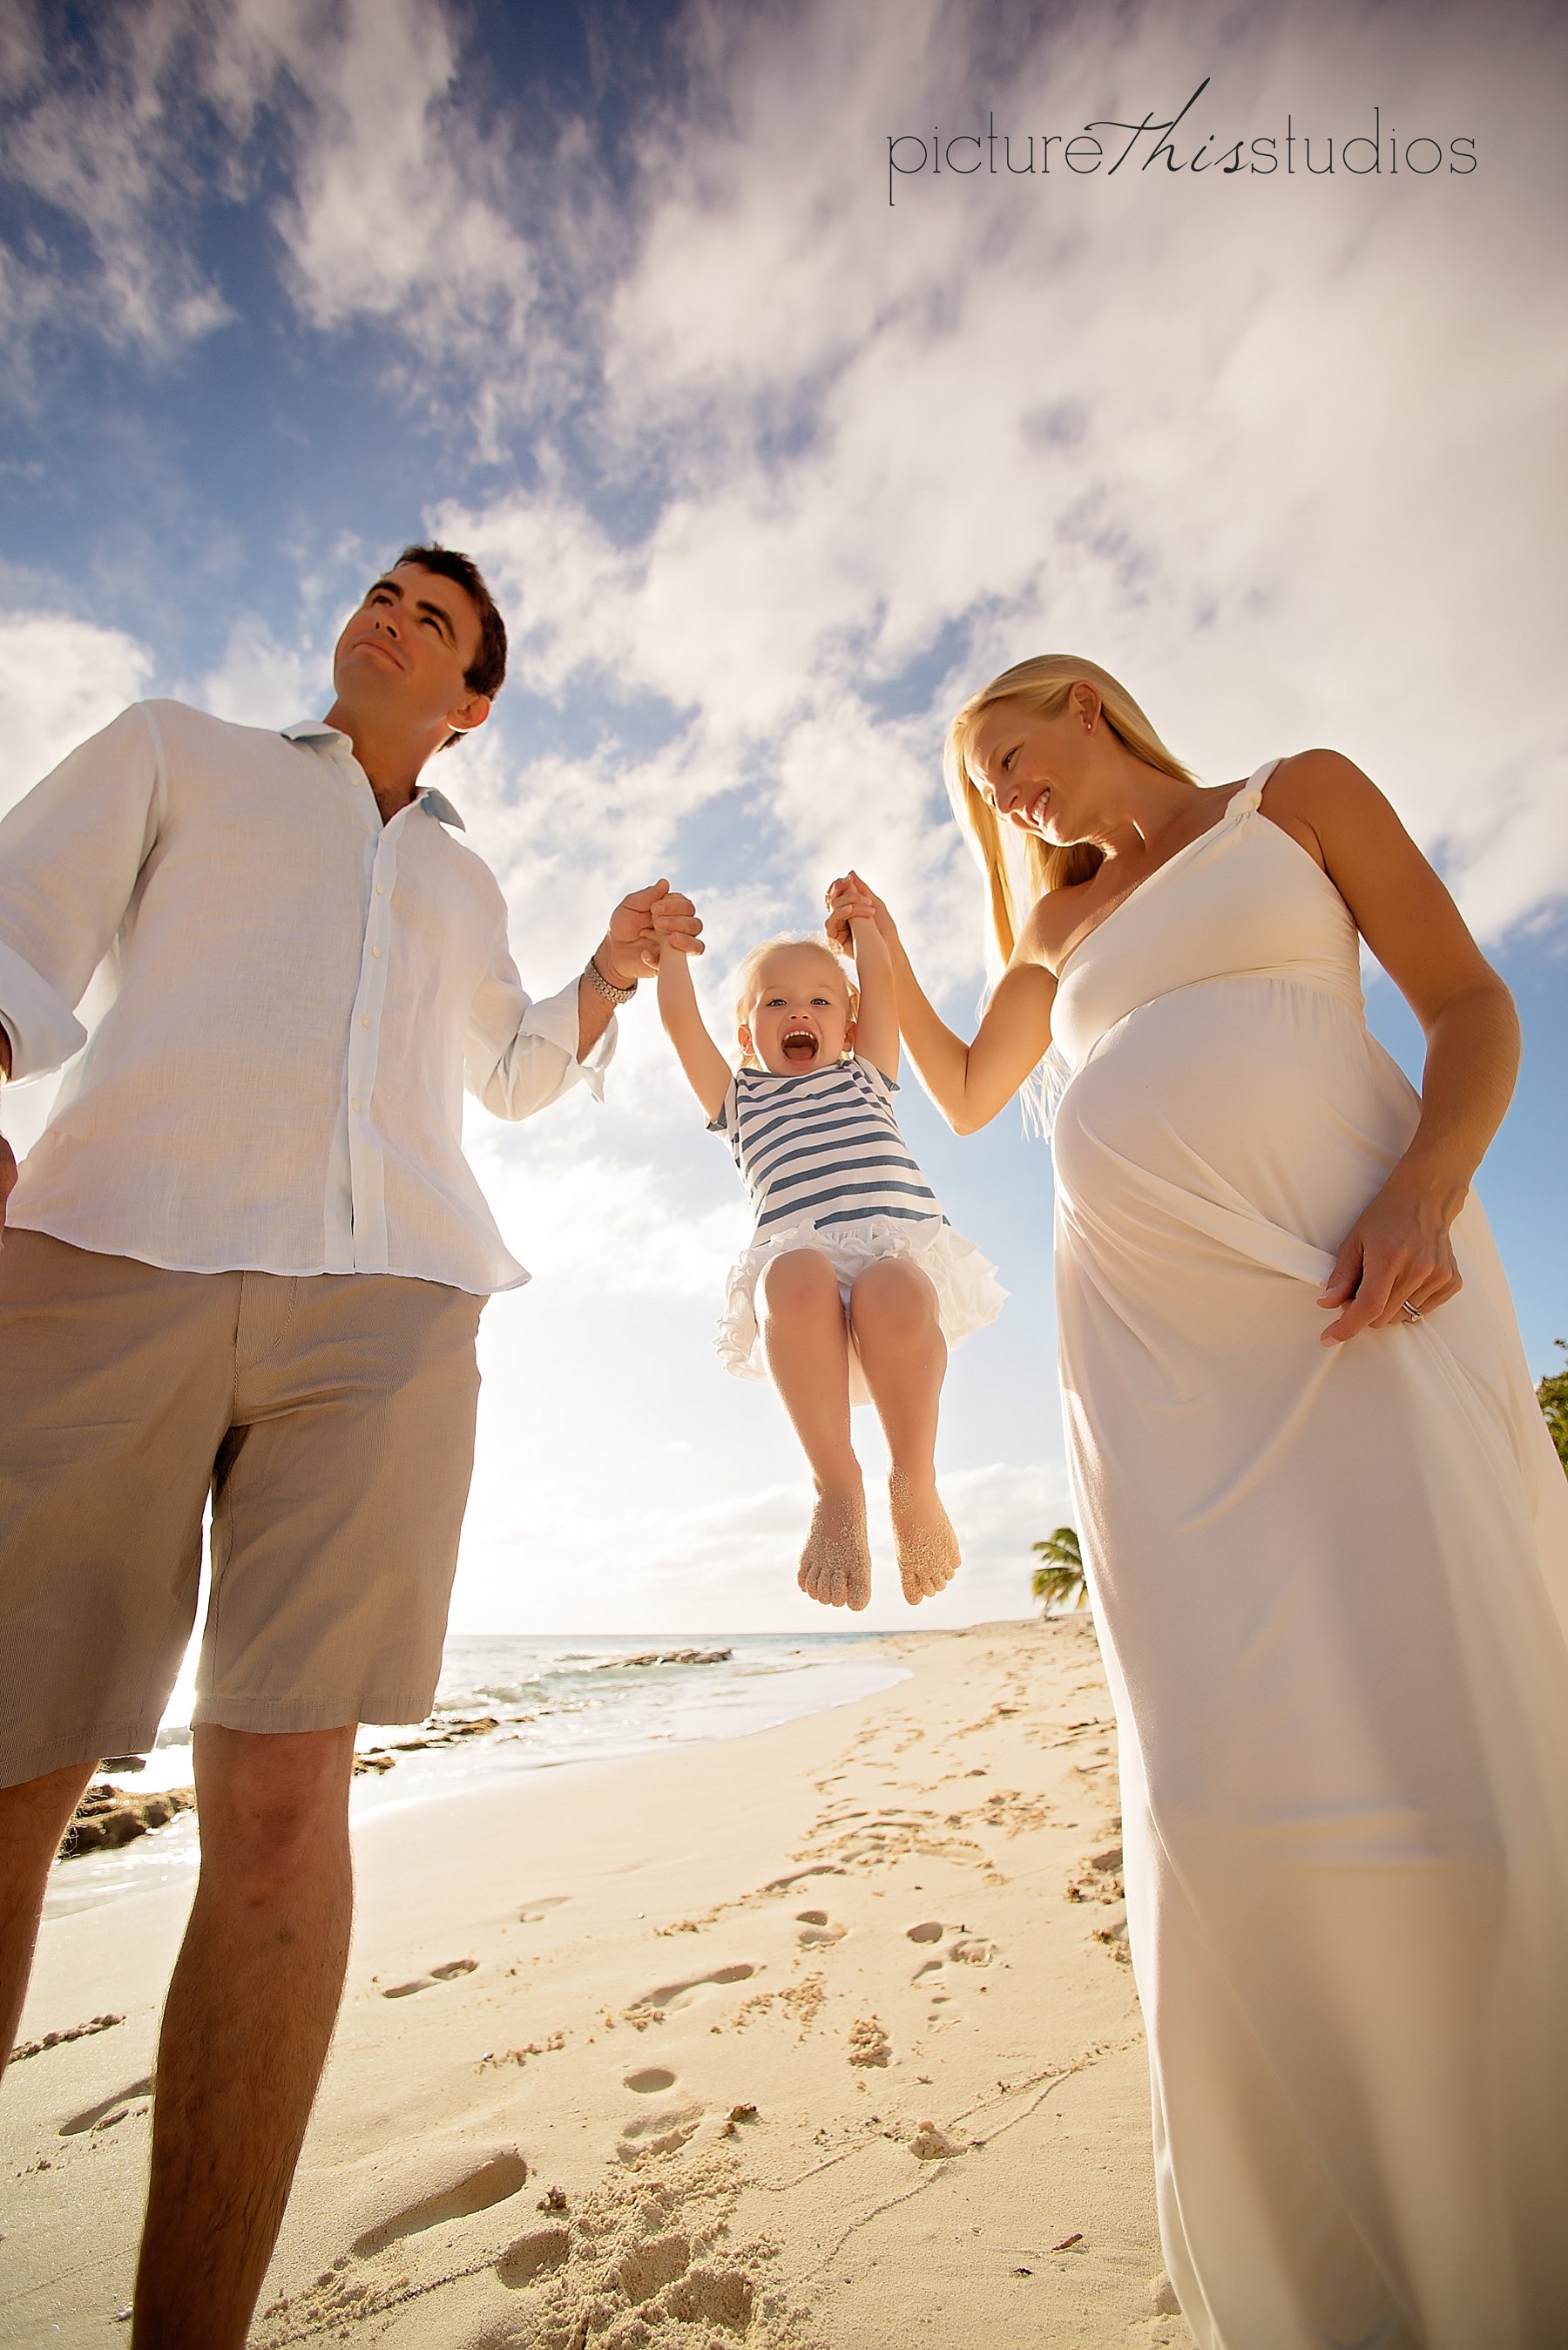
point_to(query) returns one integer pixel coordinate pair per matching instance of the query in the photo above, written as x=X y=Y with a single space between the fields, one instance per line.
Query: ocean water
x=557 y=1702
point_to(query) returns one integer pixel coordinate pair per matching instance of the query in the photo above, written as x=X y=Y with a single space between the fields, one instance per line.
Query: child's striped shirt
x=822 y=1146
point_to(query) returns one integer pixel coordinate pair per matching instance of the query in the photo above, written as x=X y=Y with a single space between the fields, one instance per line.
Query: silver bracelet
x=611 y=994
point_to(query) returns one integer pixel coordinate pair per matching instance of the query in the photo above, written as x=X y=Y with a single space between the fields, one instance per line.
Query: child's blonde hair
x=1044 y=685
x=748 y=975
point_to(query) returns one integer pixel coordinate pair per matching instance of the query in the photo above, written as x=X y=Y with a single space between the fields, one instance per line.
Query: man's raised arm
x=522 y=1055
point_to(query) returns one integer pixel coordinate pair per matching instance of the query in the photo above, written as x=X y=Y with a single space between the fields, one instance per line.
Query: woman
x=1326 y=1533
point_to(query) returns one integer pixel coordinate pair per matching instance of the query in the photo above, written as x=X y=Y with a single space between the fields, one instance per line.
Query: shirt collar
x=316 y=730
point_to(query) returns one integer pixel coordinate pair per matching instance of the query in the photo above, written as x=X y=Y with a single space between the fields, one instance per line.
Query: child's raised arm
x=707 y=1071
x=876 y=1023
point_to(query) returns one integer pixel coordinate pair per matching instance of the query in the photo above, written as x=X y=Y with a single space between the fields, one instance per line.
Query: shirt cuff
x=43 y=1029
x=555 y=1018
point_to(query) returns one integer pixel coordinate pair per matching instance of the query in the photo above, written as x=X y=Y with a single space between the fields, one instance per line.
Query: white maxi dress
x=1331 y=1588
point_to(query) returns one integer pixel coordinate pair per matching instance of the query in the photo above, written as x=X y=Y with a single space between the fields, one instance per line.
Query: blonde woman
x=1326 y=1531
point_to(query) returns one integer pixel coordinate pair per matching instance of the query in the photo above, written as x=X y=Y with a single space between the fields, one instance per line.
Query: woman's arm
x=968 y=1083
x=707 y=1071
x=1398 y=1251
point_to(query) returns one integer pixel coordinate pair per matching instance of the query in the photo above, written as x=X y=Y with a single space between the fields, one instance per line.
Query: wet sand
x=819 y=2039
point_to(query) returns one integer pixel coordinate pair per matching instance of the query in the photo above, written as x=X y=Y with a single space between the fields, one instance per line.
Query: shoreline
x=452 y=1753
x=820 y=2038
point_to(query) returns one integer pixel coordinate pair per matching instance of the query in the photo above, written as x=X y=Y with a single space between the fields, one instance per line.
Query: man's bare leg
x=905 y=1358
x=33 y=1818
x=806 y=1343
x=246 y=2027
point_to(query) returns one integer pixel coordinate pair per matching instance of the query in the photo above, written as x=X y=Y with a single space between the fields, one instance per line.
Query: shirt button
x=364 y=1020
x=353 y=1105
x=377 y=953
x=380 y=889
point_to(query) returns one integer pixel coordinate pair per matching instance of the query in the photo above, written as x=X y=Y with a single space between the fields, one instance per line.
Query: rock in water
x=106 y=1817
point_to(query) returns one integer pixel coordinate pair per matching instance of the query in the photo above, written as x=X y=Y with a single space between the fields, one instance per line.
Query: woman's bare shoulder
x=1050 y=923
x=1308 y=789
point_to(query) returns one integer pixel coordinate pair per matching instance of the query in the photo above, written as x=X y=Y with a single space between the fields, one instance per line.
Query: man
x=248 y=1255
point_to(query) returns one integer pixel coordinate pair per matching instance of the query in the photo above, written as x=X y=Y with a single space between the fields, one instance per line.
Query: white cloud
x=1274 y=450
x=104 y=151
x=398 y=209
x=60 y=680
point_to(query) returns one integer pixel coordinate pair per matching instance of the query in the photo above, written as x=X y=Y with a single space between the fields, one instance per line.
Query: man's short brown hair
x=486 y=672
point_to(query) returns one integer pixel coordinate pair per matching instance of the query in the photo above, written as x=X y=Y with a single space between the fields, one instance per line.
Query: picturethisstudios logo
x=1107 y=147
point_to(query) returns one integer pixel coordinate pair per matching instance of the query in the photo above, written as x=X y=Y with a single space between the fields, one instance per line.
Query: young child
x=855 y=1282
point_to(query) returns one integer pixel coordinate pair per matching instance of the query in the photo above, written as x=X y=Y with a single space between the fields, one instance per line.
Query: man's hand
x=632 y=942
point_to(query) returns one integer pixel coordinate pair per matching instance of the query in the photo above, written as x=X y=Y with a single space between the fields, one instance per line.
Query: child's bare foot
x=836 y=1564
x=927 y=1544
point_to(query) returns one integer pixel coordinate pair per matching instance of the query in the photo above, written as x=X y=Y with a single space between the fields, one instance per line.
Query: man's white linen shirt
x=299 y=994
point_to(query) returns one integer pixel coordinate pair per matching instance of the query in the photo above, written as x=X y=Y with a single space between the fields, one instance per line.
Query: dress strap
x=1243 y=802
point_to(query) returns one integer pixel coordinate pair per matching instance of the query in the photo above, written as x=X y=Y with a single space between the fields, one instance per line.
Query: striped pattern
x=823 y=1148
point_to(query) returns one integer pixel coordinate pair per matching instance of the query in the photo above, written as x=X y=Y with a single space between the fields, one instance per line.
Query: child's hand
x=676 y=924
x=630 y=945
x=849 y=900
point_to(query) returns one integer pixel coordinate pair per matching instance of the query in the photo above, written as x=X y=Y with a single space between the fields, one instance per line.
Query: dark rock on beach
x=446 y=1732
x=108 y=1816
x=670 y=1656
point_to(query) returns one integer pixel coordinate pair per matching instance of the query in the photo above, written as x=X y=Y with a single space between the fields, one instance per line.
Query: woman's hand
x=849 y=900
x=1398 y=1253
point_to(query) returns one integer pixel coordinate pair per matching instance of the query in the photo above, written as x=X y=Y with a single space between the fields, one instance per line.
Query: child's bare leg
x=807 y=1349
x=904 y=1355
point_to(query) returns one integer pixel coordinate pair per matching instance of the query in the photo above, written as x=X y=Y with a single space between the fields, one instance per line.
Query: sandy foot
x=836 y=1564
x=928 y=1547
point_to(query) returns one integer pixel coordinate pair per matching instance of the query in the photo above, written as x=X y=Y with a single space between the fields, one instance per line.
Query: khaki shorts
x=331 y=1418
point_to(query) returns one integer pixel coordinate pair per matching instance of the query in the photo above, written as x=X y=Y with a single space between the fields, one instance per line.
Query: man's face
x=407 y=650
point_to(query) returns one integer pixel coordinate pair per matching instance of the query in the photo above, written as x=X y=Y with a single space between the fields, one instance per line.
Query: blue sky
x=768 y=472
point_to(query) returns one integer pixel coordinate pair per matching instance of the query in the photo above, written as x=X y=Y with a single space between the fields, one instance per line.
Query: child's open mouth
x=798 y=1045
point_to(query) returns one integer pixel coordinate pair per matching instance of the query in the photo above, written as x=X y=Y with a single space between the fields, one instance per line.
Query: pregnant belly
x=1249 y=1112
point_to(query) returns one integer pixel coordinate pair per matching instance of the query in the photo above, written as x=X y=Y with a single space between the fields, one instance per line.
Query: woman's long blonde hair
x=1042 y=685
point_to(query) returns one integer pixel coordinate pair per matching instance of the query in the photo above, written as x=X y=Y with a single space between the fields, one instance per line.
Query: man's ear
x=465 y=717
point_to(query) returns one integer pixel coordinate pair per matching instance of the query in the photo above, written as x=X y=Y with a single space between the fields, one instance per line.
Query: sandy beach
x=821 y=2036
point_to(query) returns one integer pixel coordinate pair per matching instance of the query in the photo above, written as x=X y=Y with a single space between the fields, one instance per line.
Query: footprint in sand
x=817 y=1929
x=647 y=2269
x=532 y=1912
x=108 y=2111
x=717 y=2296
x=505 y=2175
x=671 y=1998
x=448 y=1973
x=649 y=2082
x=659 y=2132
x=972 y=1950
x=798 y=1877
x=530 y=2257
x=928 y=1931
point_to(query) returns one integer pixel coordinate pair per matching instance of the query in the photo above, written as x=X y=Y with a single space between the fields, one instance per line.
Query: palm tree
x=1059 y=1578
x=1552 y=1397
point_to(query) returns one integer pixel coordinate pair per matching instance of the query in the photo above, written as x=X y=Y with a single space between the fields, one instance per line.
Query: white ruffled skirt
x=969 y=1294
